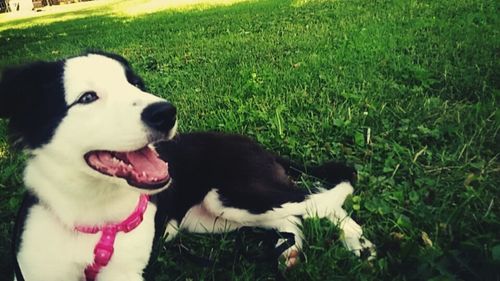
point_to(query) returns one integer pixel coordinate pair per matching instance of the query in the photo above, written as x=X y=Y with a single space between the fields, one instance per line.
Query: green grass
x=406 y=90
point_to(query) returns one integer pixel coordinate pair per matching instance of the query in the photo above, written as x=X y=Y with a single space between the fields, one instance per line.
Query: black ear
x=32 y=98
x=7 y=91
x=22 y=87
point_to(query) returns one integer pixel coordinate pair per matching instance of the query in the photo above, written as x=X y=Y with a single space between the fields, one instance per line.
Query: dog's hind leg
x=200 y=220
x=281 y=219
x=328 y=204
x=291 y=224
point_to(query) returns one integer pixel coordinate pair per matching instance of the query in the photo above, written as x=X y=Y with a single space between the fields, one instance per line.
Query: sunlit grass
x=141 y=7
x=116 y=8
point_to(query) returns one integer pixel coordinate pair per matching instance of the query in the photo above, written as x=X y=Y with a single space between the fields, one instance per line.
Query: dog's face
x=90 y=112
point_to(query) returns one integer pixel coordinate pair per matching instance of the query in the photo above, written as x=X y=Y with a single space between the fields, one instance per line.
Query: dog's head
x=90 y=112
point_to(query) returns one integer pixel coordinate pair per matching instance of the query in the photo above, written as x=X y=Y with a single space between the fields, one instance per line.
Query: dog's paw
x=354 y=240
x=360 y=246
x=368 y=250
x=291 y=257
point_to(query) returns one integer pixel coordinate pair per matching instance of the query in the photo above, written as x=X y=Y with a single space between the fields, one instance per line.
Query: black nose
x=159 y=116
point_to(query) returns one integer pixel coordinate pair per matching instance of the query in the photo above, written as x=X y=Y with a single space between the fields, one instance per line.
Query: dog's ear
x=7 y=91
x=15 y=85
x=32 y=98
x=21 y=87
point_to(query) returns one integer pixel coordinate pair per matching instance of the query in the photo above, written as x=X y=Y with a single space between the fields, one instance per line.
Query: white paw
x=291 y=256
x=360 y=246
x=368 y=250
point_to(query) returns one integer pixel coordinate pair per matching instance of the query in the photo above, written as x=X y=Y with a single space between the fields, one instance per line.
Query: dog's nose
x=159 y=116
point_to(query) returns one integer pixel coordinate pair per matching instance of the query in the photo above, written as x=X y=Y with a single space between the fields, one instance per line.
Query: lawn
x=407 y=91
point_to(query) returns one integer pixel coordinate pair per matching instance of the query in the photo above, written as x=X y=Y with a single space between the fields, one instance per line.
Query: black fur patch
x=32 y=97
x=245 y=174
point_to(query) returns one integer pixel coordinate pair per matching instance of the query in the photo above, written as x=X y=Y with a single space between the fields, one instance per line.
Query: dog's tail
x=331 y=172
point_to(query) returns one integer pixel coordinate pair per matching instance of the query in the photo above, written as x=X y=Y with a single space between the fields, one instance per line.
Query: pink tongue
x=146 y=160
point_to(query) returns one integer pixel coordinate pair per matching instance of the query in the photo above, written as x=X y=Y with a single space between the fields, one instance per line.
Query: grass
x=405 y=90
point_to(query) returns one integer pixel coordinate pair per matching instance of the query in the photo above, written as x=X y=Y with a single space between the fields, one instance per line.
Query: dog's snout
x=160 y=116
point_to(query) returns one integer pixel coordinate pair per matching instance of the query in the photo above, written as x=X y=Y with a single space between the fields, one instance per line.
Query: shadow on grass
x=103 y=29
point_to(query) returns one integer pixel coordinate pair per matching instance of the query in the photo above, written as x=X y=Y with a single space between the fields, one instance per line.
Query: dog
x=108 y=176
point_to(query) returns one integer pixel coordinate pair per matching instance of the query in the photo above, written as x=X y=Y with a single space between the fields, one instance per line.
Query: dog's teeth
x=144 y=174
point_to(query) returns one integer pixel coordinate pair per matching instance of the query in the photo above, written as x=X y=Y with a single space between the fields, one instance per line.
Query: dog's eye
x=88 y=97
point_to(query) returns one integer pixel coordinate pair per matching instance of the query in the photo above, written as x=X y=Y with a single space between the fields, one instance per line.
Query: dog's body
x=90 y=126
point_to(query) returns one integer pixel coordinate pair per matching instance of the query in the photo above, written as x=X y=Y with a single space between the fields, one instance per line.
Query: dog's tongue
x=146 y=160
x=141 y=168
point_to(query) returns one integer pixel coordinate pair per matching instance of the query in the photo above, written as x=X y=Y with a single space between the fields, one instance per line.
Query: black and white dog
x=97 y=142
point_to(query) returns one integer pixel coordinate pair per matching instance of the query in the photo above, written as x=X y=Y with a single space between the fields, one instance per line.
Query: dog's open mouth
x=141 y=168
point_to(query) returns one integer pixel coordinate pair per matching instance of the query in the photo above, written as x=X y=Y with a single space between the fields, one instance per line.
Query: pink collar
x=103 y=250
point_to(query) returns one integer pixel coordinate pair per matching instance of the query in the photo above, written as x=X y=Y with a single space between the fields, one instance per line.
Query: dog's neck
x=76 y=198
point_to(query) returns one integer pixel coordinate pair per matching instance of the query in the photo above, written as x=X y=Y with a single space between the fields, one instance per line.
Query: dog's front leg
x=171 y=230
x=328 y=204
x=353 y=239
